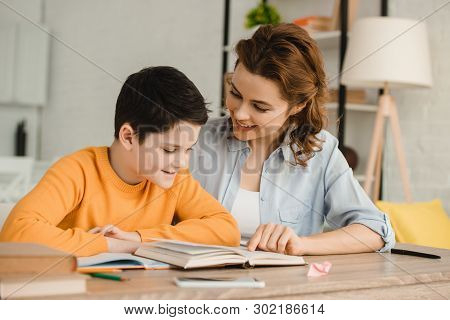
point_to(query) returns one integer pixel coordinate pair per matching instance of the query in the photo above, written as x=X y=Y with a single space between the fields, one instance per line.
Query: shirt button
x=262 y=199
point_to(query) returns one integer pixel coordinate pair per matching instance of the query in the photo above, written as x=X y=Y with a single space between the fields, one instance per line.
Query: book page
x=116 y=260
x=187 y=247
x=268 y=258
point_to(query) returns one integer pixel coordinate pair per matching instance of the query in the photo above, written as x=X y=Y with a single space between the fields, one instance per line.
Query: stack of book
x=28 y=270
x=188 y=255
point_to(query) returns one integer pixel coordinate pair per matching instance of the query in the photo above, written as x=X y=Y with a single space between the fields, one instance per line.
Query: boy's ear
x=126 y=134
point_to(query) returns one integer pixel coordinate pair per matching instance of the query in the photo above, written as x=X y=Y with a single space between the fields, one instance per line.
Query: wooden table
x=354 y=276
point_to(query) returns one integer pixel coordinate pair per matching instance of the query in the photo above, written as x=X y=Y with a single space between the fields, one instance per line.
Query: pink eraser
x=319 y=269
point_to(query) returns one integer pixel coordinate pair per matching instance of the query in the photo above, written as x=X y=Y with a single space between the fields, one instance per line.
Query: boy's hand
x=112 y=231
x=122 y=246
x=276 y=238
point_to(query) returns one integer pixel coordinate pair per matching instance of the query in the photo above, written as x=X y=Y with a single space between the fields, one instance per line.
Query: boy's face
x=162 y=155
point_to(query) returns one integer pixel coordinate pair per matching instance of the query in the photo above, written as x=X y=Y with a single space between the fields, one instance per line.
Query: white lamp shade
x=387 y=49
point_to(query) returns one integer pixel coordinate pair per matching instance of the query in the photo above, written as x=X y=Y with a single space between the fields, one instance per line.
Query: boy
x=111 y=199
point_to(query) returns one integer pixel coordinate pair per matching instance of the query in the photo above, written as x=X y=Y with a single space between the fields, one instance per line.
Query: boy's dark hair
x=155 y=99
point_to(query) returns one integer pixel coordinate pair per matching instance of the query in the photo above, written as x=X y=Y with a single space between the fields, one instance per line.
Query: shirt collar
x=286 y=152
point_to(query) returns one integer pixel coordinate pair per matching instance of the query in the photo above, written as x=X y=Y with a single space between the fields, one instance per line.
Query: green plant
x=262 y=14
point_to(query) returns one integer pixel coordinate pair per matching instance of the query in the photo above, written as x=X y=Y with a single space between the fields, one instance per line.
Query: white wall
x=119 y=38
x=424 y=114
x=10 y=115
x=101 y=43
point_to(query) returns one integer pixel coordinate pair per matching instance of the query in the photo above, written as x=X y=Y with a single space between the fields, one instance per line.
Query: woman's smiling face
x=256 y=107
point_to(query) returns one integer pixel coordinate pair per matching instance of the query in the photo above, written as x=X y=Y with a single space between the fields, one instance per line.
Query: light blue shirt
x=302 y=198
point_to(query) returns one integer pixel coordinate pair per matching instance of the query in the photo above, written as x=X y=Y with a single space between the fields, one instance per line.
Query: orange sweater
x=82 y=191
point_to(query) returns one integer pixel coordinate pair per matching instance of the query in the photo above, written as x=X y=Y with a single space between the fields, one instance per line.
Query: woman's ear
x=296 y=109
x=126 y=135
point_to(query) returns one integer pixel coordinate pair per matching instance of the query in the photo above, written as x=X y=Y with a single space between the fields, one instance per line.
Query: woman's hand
x=112 y=231
x=276 y=238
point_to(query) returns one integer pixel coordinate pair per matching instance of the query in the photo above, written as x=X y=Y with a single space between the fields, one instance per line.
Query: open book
x=104 y=262
x=191 y=255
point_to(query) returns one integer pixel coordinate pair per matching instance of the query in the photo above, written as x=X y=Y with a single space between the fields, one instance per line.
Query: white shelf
x=354 y=107
x=326 y=39
x=361 y=177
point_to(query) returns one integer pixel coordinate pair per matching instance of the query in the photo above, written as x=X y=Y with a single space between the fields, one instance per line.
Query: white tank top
x=246 y=212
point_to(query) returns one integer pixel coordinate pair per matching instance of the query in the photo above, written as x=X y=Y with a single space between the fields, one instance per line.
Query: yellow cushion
x=421 y=223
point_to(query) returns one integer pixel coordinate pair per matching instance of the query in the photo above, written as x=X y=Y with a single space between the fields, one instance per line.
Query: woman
x=271 y=163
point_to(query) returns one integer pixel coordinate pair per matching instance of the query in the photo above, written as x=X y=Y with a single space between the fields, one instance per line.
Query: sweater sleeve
x=202 y=219
x=36 y=216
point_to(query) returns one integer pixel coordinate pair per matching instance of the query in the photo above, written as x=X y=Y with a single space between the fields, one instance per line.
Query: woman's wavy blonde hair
x=286 y=54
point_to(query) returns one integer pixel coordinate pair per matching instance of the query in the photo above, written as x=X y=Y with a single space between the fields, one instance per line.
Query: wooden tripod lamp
x=388 y=53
